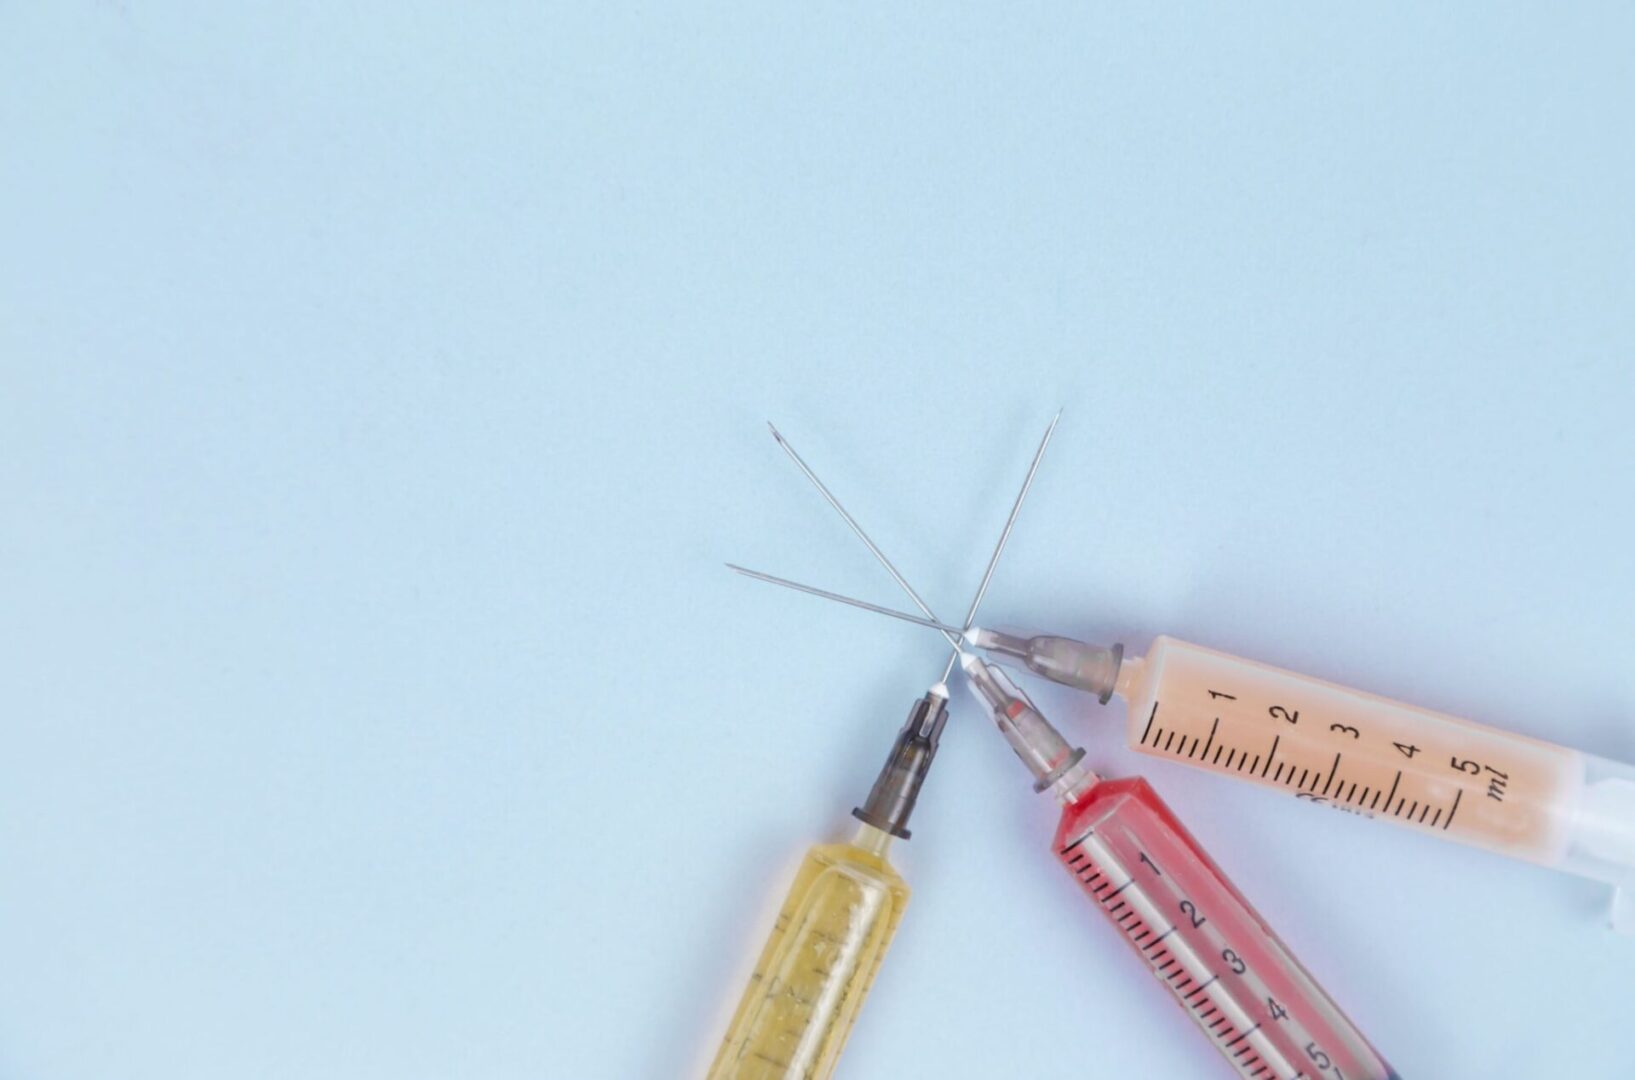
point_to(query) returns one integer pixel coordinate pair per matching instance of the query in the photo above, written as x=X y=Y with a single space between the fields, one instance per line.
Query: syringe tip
x=940 y=690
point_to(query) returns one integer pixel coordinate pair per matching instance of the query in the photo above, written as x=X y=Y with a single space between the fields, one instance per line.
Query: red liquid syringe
x=1203 y=941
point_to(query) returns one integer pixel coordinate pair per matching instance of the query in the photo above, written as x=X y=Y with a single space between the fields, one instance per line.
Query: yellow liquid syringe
x=818 y=963
x=832 y=932
x=835 y=925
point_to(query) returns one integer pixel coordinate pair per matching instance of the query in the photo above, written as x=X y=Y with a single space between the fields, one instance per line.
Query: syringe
x=829 y=938
x=1163 y=894
x=1354 y=751
x=842 y=910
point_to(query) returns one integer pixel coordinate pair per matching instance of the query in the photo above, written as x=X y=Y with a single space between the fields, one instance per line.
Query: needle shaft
x=800 y=463
x=1005 y=535
x=827 y=595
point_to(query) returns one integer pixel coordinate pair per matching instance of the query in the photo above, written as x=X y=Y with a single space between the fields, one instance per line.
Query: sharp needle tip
x=776 y=434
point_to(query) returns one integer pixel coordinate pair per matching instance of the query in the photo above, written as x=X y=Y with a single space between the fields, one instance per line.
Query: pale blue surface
x=381 y=392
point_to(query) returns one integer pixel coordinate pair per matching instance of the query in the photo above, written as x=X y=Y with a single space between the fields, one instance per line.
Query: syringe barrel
x=817 y=965
x=1203 y=941
x=1381 y=759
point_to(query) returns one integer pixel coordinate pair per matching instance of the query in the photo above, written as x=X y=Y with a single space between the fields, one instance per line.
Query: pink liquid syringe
x=1206 y=945
x=1326 y=744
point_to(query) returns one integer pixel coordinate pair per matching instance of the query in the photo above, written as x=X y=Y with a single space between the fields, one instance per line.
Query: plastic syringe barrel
x=1361 y=753
x=1203 y=940
x=818 y=964
x=1376 y=758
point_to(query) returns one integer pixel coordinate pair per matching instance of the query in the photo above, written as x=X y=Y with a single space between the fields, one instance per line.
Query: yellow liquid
x=817 y=965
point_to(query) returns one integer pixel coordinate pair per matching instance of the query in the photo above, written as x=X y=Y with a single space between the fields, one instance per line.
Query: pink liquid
x=1356 y=752
x=1204 y=941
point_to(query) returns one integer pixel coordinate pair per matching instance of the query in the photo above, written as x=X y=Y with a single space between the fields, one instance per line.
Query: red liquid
x=1203 y=940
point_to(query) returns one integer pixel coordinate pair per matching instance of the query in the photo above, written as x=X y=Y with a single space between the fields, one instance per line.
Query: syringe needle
x=827 y=595
x=993 y=560
x=953 y=639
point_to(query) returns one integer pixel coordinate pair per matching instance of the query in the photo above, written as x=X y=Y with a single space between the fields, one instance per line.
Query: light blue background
x=383 y=386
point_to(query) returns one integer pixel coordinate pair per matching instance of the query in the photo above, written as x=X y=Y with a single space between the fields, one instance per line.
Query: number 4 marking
x=1407 y=750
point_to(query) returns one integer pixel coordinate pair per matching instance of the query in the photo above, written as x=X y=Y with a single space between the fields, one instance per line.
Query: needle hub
x=897 y=788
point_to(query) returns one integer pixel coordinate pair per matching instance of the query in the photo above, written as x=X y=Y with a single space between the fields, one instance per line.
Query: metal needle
x=993 y=560
x=827 y=595
x=858 y=529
